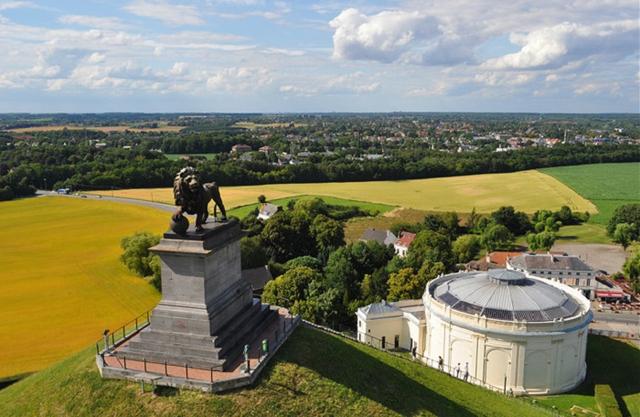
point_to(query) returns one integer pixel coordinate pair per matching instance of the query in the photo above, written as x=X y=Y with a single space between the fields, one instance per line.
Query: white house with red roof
x=401 y=245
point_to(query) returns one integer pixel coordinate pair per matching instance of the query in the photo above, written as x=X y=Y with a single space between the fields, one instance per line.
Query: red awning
x=609 y=294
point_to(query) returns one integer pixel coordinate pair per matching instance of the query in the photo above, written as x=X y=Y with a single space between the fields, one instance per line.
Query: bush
x=136 y=255
x=606 y=400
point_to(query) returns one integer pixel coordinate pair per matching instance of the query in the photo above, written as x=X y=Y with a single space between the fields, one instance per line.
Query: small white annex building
x=267 y=211
x=508 y=331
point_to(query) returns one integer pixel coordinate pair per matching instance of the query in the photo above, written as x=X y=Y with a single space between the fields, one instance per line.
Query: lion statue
x=193 y=197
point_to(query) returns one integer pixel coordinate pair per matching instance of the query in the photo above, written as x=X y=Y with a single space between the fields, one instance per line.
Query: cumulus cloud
x=239 y=79
x=558 y=45
x=382 y=37
x=172 y=14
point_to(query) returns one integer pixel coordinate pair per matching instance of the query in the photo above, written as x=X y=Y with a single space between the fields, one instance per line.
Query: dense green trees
x=630 y=215
x=497 y=236
x=137 y=257
x=70 y=159
x=541 y=241
x=466 y=248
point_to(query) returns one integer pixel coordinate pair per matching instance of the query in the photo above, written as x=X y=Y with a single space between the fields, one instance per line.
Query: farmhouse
x=383 y=237
x=240 y=148
x=500 y=329
x=401 y=245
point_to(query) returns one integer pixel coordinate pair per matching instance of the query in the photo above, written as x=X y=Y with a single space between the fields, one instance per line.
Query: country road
x=144 y=203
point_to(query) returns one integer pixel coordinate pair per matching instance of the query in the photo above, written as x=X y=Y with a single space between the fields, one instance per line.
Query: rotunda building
x=510 y=332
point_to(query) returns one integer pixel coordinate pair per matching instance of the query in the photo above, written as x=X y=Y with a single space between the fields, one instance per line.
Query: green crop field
x=313 y=375
x=606 y=185
x=526 y=190
x=61 y=282
x=176 y=156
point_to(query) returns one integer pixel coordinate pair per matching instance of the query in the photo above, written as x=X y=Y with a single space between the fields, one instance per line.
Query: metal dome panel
x=504 y=295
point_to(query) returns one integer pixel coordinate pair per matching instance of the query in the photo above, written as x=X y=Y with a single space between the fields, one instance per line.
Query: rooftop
x=384 y=237
x=502 y=294
x=552 y=262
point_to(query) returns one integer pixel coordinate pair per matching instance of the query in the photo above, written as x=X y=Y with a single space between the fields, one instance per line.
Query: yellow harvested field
x=61 y=282
x=106 y=129
x=525 y=190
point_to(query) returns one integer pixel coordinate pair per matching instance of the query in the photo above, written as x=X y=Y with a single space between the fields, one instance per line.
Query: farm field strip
x=526 y=190
x=62 y=282
x=106 y=129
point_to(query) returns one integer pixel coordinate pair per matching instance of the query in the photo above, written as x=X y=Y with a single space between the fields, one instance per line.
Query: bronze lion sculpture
x=193 y=197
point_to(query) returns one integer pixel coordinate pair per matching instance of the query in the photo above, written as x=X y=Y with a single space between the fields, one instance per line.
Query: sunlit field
x=61 y=282
x=526 y=190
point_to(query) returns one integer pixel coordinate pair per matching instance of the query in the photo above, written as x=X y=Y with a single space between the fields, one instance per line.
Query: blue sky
x=303 y=56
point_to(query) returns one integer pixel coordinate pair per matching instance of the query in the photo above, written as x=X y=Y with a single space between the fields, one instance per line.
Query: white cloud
x=381 y=37
x=96 y=58
x=352 y=83
x=93 y=21
x=504 y=78
x=555 y=46
x=172 y=14
x=179 y=68
x=8 y=5
x=239 y=79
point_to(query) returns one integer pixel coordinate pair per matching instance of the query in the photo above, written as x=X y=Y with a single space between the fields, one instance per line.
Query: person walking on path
x=466 y=371
x=440 y=363
x=458 y=370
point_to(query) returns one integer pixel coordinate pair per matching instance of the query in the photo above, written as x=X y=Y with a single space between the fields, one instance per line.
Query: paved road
x=617 y=318
x=151 y=204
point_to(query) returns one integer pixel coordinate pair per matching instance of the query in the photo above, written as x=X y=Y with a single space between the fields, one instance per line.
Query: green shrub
x=606 y=400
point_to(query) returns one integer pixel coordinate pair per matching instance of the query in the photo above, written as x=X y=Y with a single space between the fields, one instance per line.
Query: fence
x=113 y=339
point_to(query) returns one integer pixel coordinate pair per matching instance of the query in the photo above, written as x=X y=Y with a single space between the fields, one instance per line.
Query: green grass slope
x=314 y=374
x=606 y=185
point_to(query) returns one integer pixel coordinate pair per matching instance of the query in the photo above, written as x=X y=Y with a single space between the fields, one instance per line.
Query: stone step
x=175 y=349
x=231 y=329
x=232 y=353
x=240 y=333
x=151 y=335
x=193 y=361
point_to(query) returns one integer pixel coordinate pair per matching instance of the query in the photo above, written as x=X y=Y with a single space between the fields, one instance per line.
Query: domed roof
x=502 y=294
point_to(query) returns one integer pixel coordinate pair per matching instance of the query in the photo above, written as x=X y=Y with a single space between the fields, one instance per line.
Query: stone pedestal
x=207 y=312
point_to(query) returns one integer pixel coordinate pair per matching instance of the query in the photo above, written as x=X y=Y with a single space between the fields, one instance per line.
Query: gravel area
x=609 y=258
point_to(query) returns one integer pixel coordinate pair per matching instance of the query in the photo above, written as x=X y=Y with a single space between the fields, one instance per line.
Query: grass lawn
x=242 y=211
x=354 y=228
x=606 y=185
x=610 y=362
x=526 y=190
x=61 y=282
x=313 y=375
x=583 y=233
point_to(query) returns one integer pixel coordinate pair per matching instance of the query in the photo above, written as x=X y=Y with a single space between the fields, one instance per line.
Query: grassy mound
x=314 y=374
